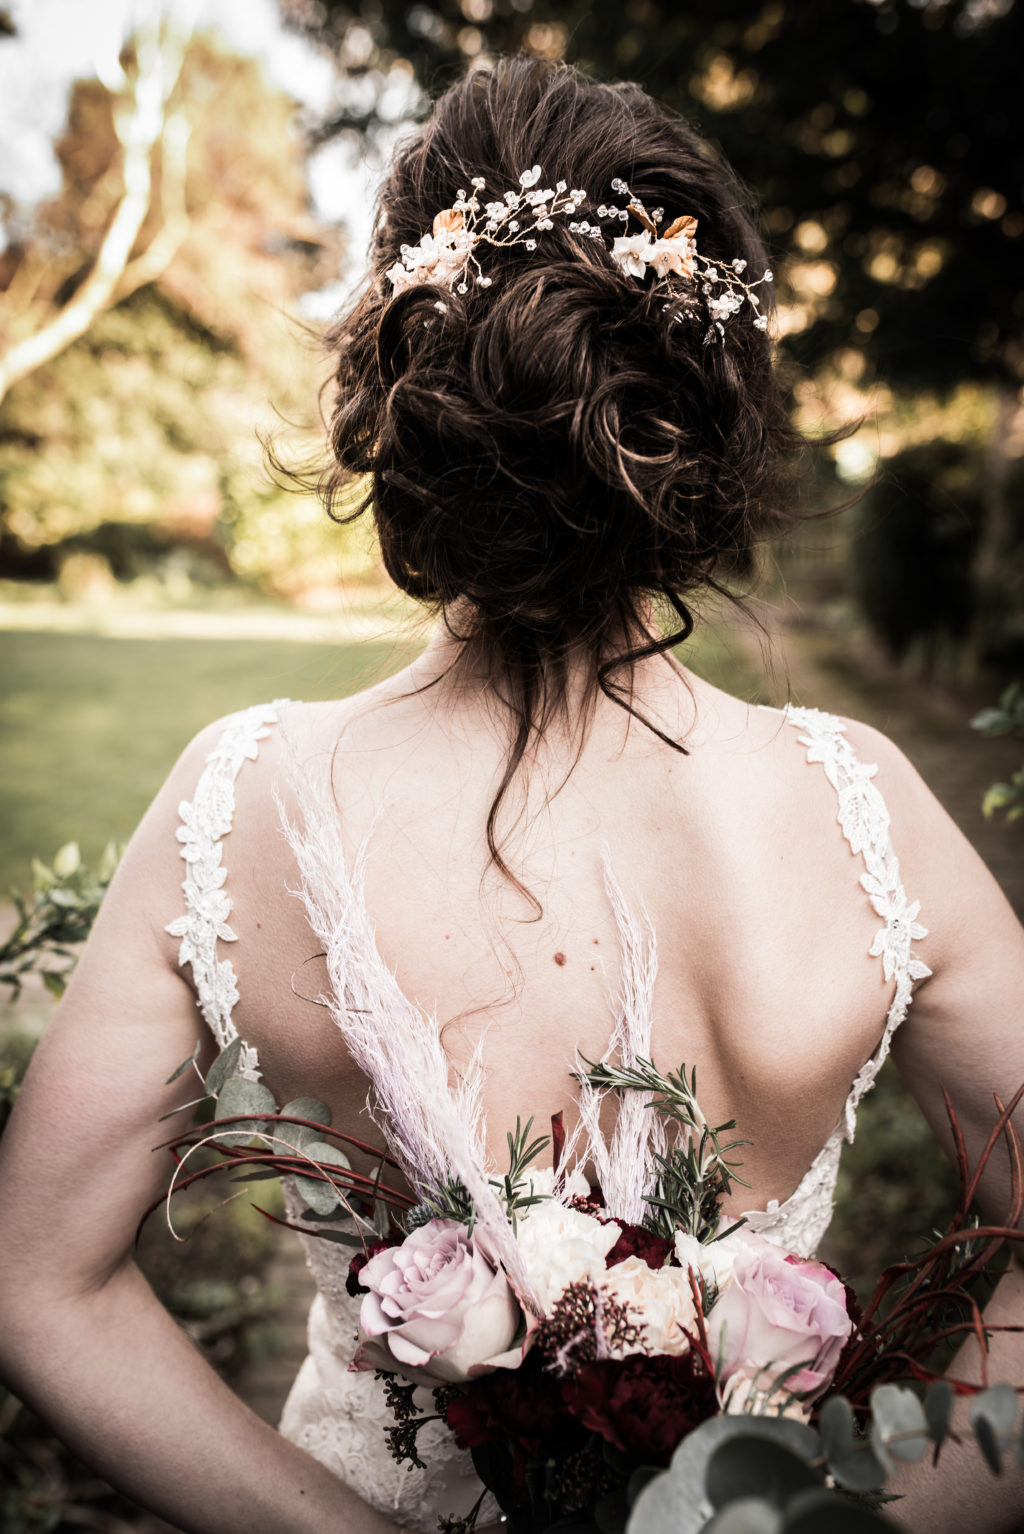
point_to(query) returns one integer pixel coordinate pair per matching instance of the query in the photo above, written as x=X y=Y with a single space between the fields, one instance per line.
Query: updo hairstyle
x=556 y=447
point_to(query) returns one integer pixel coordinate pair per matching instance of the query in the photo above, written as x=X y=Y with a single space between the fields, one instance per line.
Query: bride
x=563 y=399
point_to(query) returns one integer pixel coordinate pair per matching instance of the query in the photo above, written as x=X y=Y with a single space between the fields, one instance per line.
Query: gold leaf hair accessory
x=446 y=257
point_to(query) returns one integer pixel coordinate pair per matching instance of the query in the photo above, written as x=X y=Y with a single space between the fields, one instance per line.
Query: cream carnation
x=712 y=1262
x=659 y=1297
x=560 y=1246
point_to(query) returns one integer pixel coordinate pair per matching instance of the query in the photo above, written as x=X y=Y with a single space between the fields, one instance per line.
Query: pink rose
x=778 y=1311
x=438 y=1309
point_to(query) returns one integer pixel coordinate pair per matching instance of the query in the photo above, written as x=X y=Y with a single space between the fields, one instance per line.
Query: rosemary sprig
x=521 y=1151
x=449 y=1199
x=694 y=1176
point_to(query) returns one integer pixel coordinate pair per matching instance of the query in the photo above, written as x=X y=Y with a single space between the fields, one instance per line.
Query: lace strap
x=205 y=821
x=864 y=819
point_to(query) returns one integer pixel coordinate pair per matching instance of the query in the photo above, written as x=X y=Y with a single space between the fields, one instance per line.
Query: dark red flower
x=635 y=1241
x=359 y=1261
x=524 y=1405
x=644 y=1406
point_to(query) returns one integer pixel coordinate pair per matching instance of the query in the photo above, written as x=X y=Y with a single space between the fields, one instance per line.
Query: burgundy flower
x=635 y=1241
x=359 y=1261
x=644 y=1406
x=524 y=1405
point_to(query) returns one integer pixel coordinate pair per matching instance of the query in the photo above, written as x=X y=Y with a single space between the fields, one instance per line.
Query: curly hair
x=552 y=450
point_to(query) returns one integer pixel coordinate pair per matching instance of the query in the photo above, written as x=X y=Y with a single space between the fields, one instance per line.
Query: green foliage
x=137 y=447
x=54 y=918
x=917 y=530
x=694 y=1176
x=81 y=688
x=768 y=1475
x=514 y=1186
x=1005 y=719
x=898 y=200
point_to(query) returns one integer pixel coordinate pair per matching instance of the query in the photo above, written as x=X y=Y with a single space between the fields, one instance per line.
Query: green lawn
x=89 y=726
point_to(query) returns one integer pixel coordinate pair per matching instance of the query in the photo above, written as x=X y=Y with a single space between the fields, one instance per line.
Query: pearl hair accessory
x=446 y=257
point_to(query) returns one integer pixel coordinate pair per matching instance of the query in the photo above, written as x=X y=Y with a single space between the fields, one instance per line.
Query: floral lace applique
x=204 y=823
x=801 y=1220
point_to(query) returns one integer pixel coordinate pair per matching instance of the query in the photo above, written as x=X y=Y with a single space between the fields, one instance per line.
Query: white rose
x=660 y=1297
x=712 y=1262
x=561 y=1246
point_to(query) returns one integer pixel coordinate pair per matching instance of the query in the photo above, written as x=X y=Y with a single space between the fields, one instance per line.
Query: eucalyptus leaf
x=753 y=1467
x=938 y=1407
x=852 y=1461
x=223 y=1067
x=989 y=1445
x=668 y=1505
x=691 y=1458
x=993 y=1416
x=321 y=1197
x=899 y=1430
x=747 y=1515
x=206 y=1111
x=240 y=1096
x=341 y=1237
x=639 y=1479
x=999 y=1404
x=183 y=1067
x=302 y=1108
x=823 y=1512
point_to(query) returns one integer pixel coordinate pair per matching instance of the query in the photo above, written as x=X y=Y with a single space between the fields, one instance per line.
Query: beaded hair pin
x=446 y=257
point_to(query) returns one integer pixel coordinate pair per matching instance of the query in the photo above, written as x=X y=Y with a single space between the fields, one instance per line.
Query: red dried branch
x=916 y=1294
x=342 y=1179
x=324 y=1132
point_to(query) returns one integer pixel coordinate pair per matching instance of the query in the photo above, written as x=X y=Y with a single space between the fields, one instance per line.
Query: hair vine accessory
x=446 y=257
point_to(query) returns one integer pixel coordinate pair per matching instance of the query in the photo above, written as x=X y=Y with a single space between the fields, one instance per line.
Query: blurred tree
x=51 y=299
x=882 y=137
x=135 y=445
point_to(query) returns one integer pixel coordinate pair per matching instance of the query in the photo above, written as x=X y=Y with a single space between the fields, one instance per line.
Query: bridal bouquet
x=640 y=1338
x=604 y=1370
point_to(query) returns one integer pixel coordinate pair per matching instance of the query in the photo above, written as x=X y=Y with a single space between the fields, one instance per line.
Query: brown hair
x=555 y=448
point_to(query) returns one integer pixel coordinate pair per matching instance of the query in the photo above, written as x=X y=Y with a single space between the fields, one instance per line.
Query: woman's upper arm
x=77 y=1161
x=964 y=1031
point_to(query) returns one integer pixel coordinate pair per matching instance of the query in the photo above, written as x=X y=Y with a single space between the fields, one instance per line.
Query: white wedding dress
x=338 y=1416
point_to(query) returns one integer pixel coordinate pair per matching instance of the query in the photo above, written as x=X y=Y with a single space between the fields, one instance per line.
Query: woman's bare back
x=764 y=978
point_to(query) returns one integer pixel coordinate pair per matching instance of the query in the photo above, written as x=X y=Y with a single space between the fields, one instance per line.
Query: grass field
x=90 y=725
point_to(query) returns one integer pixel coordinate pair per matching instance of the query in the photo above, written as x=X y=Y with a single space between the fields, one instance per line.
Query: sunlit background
x=186 y=189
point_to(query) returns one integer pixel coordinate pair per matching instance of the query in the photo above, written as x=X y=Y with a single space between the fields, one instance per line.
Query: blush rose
x=438 y=1308
x=779 y=1311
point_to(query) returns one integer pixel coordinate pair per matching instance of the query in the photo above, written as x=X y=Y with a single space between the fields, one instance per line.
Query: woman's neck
x=460 y=674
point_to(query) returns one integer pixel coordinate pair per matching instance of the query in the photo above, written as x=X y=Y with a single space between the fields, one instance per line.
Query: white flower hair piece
x=672 y=253
x=446 y=257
